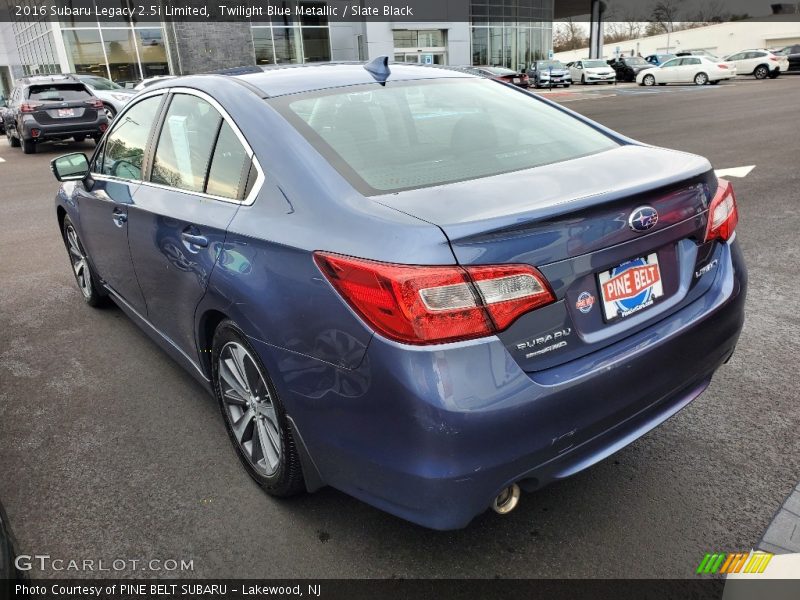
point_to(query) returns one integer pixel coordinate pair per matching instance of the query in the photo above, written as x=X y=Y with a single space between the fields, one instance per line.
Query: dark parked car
x=412 y=284
x=52 y=107
x=658 y=59
x=552 y=73
x=499 y=74
x=793 y=54
x=627 y=68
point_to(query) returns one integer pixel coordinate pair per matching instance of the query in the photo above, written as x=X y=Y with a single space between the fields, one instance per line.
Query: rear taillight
x=430 y=305
x=95 y=103
x=774 y=58
x=722 y=214
x=29 y=107
x=721 y=66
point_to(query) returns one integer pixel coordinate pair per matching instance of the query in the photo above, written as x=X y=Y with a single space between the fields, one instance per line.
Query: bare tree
x=569 y=35
x=664 y=15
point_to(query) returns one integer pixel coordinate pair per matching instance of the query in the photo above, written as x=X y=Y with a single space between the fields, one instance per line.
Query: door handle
x=119 y=218
x=195 y=240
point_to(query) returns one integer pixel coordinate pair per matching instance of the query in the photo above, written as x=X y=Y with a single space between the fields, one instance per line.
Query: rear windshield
x=60 y=92
x=424 y=133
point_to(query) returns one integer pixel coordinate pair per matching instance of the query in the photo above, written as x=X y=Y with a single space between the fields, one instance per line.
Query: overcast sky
x=642 y=8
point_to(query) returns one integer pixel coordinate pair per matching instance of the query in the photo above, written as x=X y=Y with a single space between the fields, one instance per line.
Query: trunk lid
x=571 y=221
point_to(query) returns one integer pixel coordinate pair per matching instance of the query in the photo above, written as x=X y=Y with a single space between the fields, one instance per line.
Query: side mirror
x=70 y=167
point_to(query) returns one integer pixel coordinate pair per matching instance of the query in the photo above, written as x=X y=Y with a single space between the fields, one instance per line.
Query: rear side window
x=185 y=144
x=62 y=92
x=417 y=134
x=124 y=147
x=229 y=166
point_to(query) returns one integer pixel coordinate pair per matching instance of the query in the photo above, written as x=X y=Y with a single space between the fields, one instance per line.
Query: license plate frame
x=630 y=287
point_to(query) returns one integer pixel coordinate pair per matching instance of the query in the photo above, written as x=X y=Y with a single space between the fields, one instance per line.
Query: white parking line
x=2 y=159
x=735 y=171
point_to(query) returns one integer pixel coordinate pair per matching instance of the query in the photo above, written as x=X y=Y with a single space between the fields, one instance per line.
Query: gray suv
x=52 y=107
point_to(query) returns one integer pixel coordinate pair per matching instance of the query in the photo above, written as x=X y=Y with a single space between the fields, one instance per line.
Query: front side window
x=185 y=144
x=671 y=63
x=123 y=153
x=417 y=134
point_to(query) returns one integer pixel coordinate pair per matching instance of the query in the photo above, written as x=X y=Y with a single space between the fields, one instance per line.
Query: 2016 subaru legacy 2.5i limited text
x=420 y=287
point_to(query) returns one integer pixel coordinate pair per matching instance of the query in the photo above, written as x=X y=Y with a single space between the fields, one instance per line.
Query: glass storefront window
x=316 y=46
x=262 y=43
x=122 y=62
x=480 y=45
x=152 y=51
x=495 y=46
x=287 y=42
x=85 y=51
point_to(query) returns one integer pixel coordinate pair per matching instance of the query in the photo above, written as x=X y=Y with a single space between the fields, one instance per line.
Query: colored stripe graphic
x=722 y=563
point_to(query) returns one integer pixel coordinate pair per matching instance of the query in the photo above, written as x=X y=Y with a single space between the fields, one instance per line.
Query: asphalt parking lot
x=109 y=450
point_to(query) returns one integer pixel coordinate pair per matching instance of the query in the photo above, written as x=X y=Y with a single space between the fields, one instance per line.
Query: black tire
x=287 y=479
x=92 y=291
x=12 y=141
x=110 y=112
x=28 y=146
x=78 y=138
x=648 y=80
x=566 y=86
x=761 y=72
x=583 y=79
x=700 y=78
x=774 y=74
x=97 y=138
x=715 y=82
x=662 y=84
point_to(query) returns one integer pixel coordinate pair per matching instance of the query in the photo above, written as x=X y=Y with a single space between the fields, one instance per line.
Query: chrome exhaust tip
x=506 y=500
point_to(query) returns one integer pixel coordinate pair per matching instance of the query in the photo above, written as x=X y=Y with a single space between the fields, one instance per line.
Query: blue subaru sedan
x=423 y=288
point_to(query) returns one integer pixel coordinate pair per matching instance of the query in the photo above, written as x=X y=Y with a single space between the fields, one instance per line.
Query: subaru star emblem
x=643 y=218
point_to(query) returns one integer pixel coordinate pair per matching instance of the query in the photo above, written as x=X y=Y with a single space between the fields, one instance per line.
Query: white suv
x=759 y=63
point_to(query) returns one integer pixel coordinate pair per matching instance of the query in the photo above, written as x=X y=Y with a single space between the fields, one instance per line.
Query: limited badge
x=585 y=302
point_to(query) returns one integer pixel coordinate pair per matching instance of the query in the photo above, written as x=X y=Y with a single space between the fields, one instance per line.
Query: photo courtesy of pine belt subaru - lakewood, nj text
x=423 y=288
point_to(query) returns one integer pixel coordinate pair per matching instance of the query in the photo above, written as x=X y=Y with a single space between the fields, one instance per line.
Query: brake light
x=722 y=66
x=95 y=103
x=723 y=215
x=775 y=58
x=436 y=304
x=29 y=107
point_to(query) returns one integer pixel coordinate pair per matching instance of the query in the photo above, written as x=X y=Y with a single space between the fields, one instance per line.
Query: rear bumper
x=433 y=434
x=50 y=131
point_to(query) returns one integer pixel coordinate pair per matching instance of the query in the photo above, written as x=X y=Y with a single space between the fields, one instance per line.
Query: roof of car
x=39 y=79
x=294 y=79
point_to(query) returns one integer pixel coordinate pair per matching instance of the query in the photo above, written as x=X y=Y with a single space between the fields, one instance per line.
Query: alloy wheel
x=249 y=408
x=80 y=265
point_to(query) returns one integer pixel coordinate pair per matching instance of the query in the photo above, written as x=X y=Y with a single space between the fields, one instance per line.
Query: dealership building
x=496 y=32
